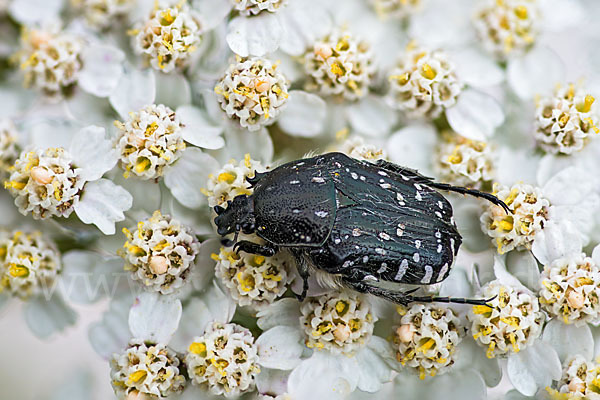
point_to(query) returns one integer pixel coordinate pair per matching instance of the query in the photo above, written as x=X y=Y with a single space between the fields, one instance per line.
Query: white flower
x=396 y=8
x=56 y=182
x=160 y=253
x=507 y=27
x=579 y=379
x=510 y=324
x=102 y=14
x=570 y=289
x=423 y=84
x=565 y=120
x=149 y=140
x=9 y=149
x=168 y=37
x=339 y=65
x=427 y=338
x=224 y=358
x=356 y=147
x=253 y=92
x=146 y=368
x=464 y=162
x=516 y=230
x=29 y=263
x=254 y=7
x=253 y=280
x=341 y=322
x=230 y=181
x=50 y=61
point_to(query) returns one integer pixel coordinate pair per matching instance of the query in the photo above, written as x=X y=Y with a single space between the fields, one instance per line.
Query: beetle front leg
x=303 y=271
x=254 y=248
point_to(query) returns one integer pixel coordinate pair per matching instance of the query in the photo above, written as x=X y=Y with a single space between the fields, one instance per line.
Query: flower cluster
x=510 y=322
x=149 y=140
x=427 y=338
x=340 y=322
x=565 y=120
x=160 y=253
x=9 y=150
x=423 y=83
x=102 y=14
x=254 y=7
x=224 y=359
x=339 y=65
x=465 y=162
x=252 y=92
x=396 y=8
x=579 y=379
x=356 y=147
x=230 y=181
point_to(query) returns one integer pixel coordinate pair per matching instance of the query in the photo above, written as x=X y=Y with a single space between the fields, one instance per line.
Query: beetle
x=369 y=226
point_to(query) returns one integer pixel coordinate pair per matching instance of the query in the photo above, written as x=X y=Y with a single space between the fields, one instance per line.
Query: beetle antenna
x=475 y=193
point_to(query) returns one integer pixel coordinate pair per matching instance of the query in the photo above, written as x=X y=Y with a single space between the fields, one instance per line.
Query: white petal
x=412 y=146
x=198 y=130
x=504 y=276
x=88 y=276
x=371 y=116
x=280 y=347
x=255 y=36
x=102 y=69
x=561 y=14
x=571 y=180
x=240 y=141
x=466 y=215
x=63 y=132
x=146 y=193
x=204 y=270
x=136 y=89
x=476 y=69
x=304 y=114
x=199 y=220
x=4 y=300
x=188 y=175
x=475 y=115
x=213 y=12
x=569 y=340
x=372 y=369
x=472 y=357
x=75 y=387
x=523 y=266
x=111 y=334
x=154 y=317
x=303 y=26
x=516 y=166
x=596 y=254
x=272 y=381
x=92 y=152
x=323 y=376
x=45 y=317
x=195 y=318
x=172 y=90
x=36 y=12
x=221 y=306
x=535 y=73
x=282 y=312
x=443 y=24
x=456 y=284
x=515 y=395
x=102 y=204
x=458 y=385
x=534 y=367
x=555 y=241
x=551 y=165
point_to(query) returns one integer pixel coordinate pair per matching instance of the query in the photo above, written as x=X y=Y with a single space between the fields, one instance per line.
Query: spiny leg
x=472 y=192
x=303 y=271
x=254 y=248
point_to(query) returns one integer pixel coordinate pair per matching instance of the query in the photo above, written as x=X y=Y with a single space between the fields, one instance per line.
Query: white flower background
x=124 y=123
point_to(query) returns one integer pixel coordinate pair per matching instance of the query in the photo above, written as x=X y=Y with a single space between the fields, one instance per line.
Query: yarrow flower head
x=160 y=253
x=230 y=181
x=512 y=323
x=149 y=140
x=9 y=150
x=570 y=289
x=45 y=183
x=423 y=83
x=339 y=65
x=517 y=230
x=50 y=61
x=356 y=147
x=396 y=8
x=146 y=368
x=252 y=280
x=465 y=162
x=254 y=7
x=340 y=322
x=580 y=379
x=224 y=359
x=507 y=27
x=168 y=37
x=102 y=14
x=565 y=120
x=252 y=92
x=427 y=338
x=29 y=263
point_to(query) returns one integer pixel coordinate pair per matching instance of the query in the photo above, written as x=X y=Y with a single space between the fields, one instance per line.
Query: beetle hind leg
x=303 y=271
x=472 y=192
x=254 y=248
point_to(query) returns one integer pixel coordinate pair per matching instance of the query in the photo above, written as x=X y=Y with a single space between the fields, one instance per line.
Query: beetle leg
x=303 y=271
x=472 y=192
x=254 y=248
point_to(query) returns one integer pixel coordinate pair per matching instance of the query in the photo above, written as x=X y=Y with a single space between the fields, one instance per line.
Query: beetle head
x=239 y=215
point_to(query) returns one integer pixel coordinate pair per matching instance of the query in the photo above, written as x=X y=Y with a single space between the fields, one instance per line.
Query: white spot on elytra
x=362 y=178
x=416 y=257
x=418 y=196
x=370 y=278
x=438 y=234
x=321 y=214
x=380 y=251
x=404 y=177
x=439 y=248
x=296 y=211
x=294 y=182
x=417 y=186
x=401 y=270
x=318 y=179
x=440 y=205
x=382 y=269
x=438 y=214
x=418 y=244
x=385 y=185
x=365 y=259
x=428 y=273
x=382 y=173
x=356 y=232
x=443 y=272
x=337 y=241
x=354 y=175
x=384 y=236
